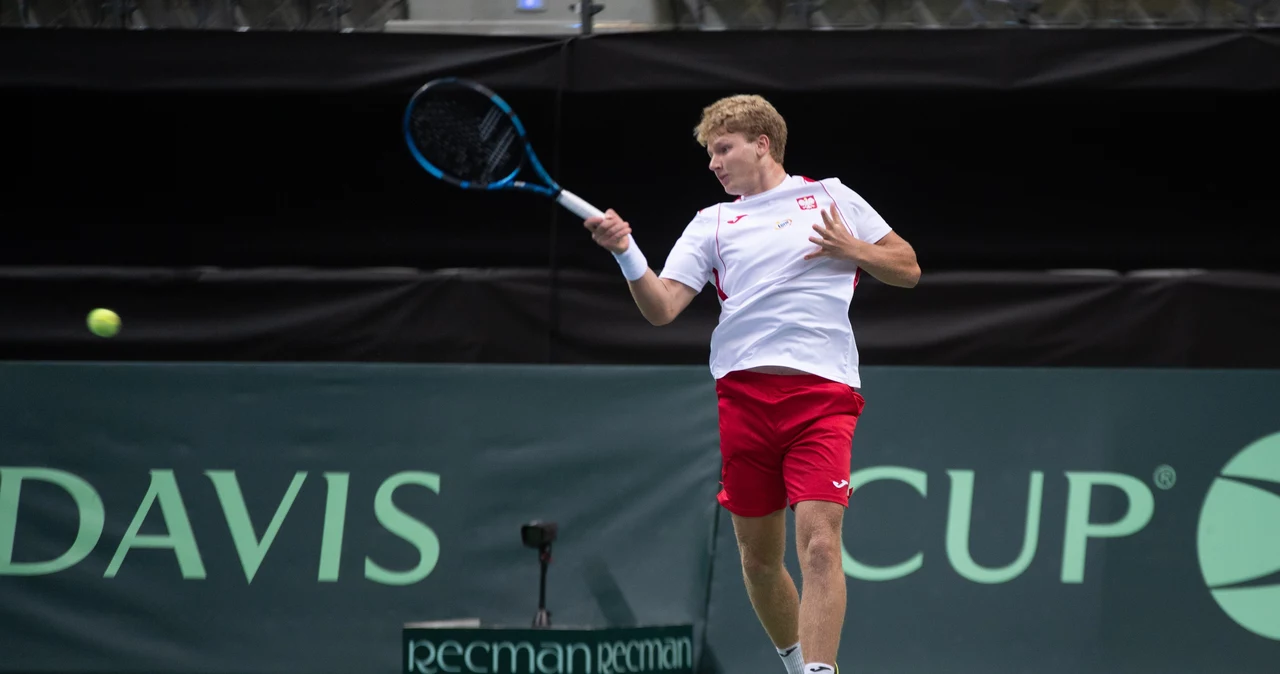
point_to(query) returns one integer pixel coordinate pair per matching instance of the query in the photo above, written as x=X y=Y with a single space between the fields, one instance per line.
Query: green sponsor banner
x=292 y=518
x=1054 y=522
x=634 y=650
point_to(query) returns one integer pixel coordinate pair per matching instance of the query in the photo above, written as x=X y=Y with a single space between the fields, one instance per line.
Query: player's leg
x=818 y=525
x=753 y=492
x=762 y=542
x=816 y=469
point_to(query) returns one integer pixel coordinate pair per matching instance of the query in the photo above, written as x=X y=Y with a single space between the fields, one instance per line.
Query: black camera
x=538 y=534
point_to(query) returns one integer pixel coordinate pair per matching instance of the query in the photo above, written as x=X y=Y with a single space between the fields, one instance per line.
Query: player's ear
x=762 y=146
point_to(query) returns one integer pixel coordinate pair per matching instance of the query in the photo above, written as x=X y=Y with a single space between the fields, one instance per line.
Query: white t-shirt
x=777 y=308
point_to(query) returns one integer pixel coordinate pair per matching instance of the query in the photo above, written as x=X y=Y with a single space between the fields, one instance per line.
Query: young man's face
x=736 y=162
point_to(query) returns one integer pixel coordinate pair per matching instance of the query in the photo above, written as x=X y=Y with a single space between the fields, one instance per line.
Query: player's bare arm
x=660 y=300
x=891 y=260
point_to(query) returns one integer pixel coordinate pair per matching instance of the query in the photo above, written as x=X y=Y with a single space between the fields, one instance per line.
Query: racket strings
x=500 y=152
x=466 y=136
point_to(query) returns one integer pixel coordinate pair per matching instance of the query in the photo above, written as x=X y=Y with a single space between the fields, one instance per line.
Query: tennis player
x=784 y=260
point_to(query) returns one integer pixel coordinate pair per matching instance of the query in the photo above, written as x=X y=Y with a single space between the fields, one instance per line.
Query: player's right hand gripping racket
x=466 y=135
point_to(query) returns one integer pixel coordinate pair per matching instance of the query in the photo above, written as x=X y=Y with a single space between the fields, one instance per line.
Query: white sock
x=792 y=658
x=819 y=668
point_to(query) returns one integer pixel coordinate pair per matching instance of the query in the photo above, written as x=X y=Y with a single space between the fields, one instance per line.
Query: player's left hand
x=834 y=239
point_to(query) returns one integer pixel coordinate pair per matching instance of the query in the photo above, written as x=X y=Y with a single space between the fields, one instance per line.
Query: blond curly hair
x=749 y=115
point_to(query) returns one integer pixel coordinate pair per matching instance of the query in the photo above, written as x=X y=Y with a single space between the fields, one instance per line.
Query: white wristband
x=633 y=263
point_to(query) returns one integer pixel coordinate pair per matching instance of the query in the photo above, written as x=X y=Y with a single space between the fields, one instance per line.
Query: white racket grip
x=578 y=206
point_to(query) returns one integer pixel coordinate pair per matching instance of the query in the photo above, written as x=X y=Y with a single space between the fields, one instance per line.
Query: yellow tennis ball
x=104 y=322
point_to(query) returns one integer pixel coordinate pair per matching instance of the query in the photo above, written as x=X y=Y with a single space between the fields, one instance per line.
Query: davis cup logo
x=1238 y=541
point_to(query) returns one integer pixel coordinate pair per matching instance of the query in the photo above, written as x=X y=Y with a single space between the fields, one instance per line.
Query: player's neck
x=770 y=178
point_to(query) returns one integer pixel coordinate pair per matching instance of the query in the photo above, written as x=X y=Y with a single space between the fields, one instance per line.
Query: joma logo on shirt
x=807 y=203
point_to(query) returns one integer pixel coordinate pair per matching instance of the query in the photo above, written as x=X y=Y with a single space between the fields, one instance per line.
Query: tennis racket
x=466 y=135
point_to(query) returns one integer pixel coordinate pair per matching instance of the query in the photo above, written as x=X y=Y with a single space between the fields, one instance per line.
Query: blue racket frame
x=551 y=189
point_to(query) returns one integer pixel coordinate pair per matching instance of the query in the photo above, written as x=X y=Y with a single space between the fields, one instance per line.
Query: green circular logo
x=1238 y=541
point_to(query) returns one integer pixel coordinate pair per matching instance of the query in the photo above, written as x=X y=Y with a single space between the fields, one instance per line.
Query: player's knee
x=761 y=568
x=821 y=553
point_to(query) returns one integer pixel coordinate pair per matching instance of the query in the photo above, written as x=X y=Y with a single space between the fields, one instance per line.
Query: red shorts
x=784 y=439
